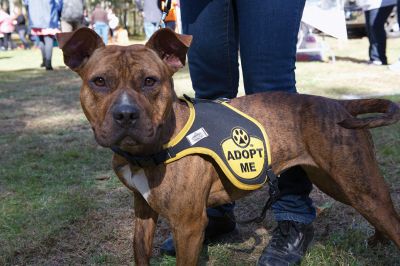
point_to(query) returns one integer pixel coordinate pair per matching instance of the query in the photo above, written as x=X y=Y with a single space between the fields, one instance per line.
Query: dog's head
x=127 y=91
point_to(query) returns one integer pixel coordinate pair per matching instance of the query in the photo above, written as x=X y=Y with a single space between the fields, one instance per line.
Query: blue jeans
x=21 y=34
x=375 y=20
x=149 y=28
x=101 y=29
x=266 y=33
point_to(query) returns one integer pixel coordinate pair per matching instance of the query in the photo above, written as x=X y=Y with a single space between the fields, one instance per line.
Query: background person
x=396 y=66
x=170 y=19
x=72 y=15
x=7 y=28
x=113 y=22
x=85 y=18
x=376 y=15
x=20 y=27
x=43 y=20
x=266 y=32
x=151 y=15
x=99 y=22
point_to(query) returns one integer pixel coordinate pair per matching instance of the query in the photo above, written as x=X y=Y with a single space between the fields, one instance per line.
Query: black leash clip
x=274 y=194
x=273 y=185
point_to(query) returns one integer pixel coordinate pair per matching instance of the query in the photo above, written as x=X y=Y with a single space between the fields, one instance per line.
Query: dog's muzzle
x=125 y=115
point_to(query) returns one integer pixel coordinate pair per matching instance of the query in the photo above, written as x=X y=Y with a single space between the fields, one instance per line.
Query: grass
x=60 y=204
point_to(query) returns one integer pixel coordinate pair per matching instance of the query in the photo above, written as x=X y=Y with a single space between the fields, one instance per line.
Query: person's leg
x=213 y=61
x=375 y=23
x=6 y=41
x=2 y=43
x=268 y=61
x=48 y=51
x=97 y=28
x=379 y=29
x=21 y=34
x=105 y=33
x=171 y=25
x=41 y=45
x=149 y=28
x=268 y=43
x=213 y=55
x=370 y=34
x=396 y=65
x=11 y=42
x=294 y=203
x=102 y=30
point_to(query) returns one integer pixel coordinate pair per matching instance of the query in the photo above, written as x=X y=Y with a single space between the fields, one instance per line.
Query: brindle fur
x=303 y=130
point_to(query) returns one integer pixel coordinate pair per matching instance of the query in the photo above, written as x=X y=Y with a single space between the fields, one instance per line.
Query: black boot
x=48 y=65
x=216 y=226
x=288 y=244
x=43 y=64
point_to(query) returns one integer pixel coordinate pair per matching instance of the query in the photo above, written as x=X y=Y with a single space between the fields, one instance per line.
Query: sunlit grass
x=61 y=204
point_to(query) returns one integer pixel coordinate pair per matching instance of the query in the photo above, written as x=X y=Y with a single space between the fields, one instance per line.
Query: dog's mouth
x=132 y=140
x=128 y=142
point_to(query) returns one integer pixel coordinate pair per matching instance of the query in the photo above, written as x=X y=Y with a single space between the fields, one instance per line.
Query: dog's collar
x=143 y=161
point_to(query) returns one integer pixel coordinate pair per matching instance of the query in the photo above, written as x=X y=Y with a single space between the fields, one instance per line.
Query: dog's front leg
x=145 y=224
x=189 y=236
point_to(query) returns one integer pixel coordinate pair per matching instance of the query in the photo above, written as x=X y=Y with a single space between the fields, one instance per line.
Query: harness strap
x=274 y=194
x=143 y=161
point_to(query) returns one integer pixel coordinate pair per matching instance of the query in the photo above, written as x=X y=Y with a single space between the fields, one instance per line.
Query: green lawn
x=60 y=204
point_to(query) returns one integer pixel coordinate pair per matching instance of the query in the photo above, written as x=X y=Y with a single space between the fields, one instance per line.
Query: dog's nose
x=125 y=115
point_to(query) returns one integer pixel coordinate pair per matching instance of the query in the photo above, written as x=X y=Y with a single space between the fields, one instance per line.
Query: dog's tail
x=390 y=113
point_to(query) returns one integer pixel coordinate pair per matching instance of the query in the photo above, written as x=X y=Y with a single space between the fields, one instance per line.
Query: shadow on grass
x=351 y=59
x=36 y=94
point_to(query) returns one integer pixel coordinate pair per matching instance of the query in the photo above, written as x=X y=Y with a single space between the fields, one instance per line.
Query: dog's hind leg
x=377 y=207
x=145 y=224
x=357 y=177
x=326 y=184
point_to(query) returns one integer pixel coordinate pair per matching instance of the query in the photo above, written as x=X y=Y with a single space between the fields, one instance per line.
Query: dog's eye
x=149 y=82
x=99 y=81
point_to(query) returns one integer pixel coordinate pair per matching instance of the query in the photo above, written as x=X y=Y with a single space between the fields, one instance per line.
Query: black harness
x=236 y=142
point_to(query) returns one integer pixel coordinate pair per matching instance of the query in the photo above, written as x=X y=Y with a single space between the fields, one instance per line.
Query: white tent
x=326 y=16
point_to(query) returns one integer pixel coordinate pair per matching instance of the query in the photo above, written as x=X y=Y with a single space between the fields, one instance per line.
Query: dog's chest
x=136 y=180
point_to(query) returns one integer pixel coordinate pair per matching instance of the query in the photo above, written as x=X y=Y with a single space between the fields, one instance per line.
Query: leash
x=165 y=6
x=274 y=194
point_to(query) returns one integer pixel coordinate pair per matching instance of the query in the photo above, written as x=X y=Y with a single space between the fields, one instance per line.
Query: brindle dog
x=128 y=97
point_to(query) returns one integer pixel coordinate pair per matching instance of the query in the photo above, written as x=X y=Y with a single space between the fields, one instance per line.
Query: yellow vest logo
x=245 y=154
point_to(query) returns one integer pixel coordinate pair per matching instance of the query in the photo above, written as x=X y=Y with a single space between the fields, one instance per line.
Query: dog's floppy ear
x=78 y=46
x=171 y=47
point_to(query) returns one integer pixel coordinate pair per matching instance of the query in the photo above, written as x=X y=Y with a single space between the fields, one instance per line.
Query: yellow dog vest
x=237 y=142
